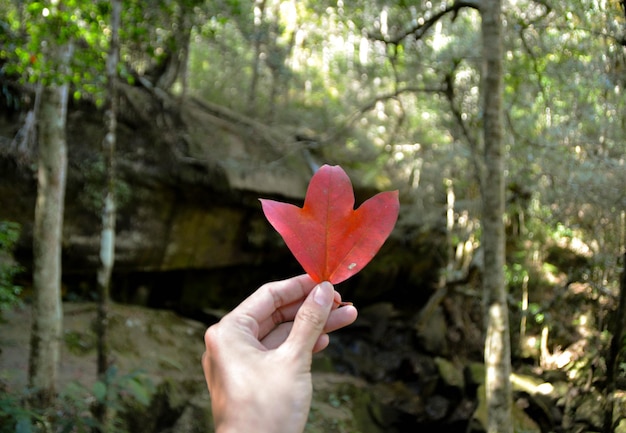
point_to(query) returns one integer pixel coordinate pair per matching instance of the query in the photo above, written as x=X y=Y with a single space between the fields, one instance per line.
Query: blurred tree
x=107 y=237
x=47 y=325
x=157 y=38
x=53 y=48
x=499 y=395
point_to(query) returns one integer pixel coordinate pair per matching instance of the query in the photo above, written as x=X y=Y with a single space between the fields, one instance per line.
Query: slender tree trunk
x=615 y=348
x=184 y=55
x=259 y=35
x=47 y=323
x=497 y=344
x=107 y=239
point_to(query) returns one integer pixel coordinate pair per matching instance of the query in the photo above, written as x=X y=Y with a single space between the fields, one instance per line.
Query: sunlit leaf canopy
x=388 y=89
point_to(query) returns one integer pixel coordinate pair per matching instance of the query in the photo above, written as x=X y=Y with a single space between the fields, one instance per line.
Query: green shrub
x=9 y=291
x=74 y=408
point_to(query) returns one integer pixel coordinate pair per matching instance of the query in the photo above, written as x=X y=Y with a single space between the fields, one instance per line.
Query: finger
x=311 y=318
x=272 y=296
x=337 y=319
x=321 y=343
x=287 y=314
x=284 y=314
x=340 y=318
x=275 y=339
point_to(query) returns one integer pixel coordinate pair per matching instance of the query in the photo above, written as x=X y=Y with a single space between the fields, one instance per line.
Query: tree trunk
x=178 y=53
x=183 y=72
x=107 y=239
x=619 y=321
x=258 y=36
x=497 y=344
x=47 y=325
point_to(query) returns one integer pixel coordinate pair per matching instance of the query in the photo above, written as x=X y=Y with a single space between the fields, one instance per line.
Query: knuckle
x=312 y=317
x=277 y=296
x=210 y=336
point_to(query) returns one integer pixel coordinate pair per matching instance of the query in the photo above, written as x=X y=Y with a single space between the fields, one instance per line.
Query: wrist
x=244 y=421
x=245 y=427
x=257 y=425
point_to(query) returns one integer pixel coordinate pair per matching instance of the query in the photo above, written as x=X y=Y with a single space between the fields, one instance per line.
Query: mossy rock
x=340 y=404
x=451 y=375
x=521 y=421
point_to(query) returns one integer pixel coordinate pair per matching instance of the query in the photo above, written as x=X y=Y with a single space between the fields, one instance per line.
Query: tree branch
x=372 y=104
x=420 y=29
x=471 y=139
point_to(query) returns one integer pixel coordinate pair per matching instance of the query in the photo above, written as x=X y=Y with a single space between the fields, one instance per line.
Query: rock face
x=188 y=195
x=189 y=178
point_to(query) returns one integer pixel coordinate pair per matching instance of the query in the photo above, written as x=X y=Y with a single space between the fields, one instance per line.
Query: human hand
x=258 y=358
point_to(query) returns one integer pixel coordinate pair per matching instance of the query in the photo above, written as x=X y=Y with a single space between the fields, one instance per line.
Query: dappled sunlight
x=577 y=245
x=531 y=385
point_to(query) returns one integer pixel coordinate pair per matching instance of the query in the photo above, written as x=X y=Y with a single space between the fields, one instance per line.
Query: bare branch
x=352 y=118
x=472 y=140
x=419 y=30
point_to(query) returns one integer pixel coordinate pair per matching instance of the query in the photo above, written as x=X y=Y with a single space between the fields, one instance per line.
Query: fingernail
x=323 y=294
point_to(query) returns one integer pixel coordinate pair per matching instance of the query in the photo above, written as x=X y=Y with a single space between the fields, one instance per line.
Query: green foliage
x=73 y=411
x=33 y=30
x=408 y=111
x=402 y=107
x=79 y=343
x=536 y=312
x=14 y=416
x=9 y=291
x=115 y=388
x=515 y=275
x=337 y=400
x=40 y=27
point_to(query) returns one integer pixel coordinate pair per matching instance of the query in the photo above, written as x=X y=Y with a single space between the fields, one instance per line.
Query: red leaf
x=330 y=239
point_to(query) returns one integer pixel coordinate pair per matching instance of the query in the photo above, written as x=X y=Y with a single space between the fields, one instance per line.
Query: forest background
x=392 y=91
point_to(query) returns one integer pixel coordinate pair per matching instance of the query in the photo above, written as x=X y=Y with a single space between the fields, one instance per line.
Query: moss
x=475 y=373
x=451 y=374
x=79 y=343
x=341 y=405
x=201 y=239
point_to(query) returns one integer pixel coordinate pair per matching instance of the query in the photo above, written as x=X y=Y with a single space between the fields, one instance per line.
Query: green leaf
x=99 y=391
x=139 y=391
x=24 y=425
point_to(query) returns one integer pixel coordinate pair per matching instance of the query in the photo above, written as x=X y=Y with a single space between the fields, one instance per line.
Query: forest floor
x=163 y=347
x=158 y=342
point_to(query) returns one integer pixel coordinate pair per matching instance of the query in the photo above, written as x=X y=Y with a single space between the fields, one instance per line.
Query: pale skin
x=258 y=358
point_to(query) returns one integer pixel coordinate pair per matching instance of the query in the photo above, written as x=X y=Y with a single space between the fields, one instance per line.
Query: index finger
x=270 y=297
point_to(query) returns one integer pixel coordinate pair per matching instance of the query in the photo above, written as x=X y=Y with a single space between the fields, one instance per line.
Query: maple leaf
x=329 y=238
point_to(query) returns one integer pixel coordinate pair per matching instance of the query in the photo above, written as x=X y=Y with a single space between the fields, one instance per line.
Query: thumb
x=310 y=319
